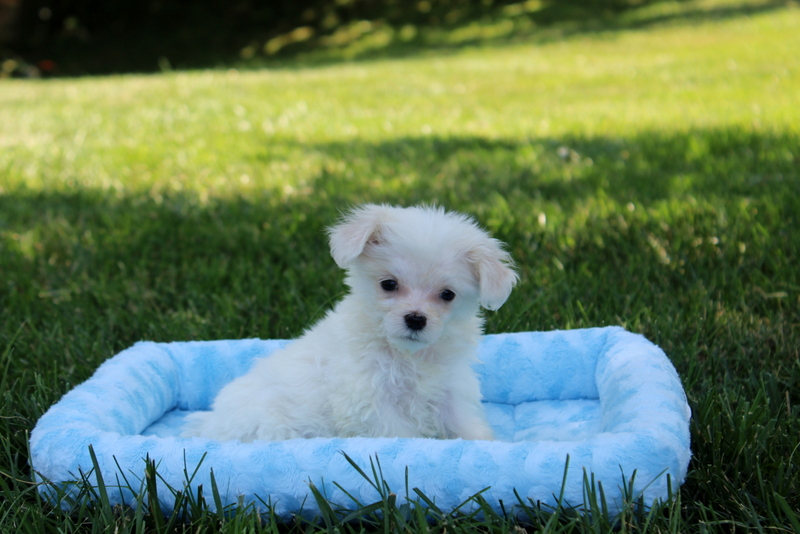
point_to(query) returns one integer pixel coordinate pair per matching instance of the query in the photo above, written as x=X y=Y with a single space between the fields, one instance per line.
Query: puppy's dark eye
x=447 y=295
x=389 y=285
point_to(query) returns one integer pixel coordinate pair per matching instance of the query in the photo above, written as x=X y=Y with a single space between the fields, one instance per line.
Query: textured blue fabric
x=608 y=399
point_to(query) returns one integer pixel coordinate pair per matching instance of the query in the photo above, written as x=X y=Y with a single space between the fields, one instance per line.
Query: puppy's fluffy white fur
x=394 y=357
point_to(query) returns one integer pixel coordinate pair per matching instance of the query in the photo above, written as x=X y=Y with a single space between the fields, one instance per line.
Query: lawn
x=644 y=173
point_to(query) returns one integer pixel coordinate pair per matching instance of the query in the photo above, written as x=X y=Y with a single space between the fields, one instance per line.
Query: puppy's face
x=415 y=295
x=420 y=269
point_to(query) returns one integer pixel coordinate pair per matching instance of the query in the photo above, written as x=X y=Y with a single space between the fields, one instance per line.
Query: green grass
x=646 y=173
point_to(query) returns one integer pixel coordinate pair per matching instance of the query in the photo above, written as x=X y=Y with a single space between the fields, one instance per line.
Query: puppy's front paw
x=478 y=432
x=193 y=425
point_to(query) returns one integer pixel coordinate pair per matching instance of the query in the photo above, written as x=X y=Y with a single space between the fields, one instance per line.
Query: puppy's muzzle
x=415 y=321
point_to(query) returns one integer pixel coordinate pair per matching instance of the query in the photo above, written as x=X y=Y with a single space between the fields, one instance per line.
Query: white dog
x=394 y=358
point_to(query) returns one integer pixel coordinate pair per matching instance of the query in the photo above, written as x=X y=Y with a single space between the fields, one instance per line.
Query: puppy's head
x=421 y=269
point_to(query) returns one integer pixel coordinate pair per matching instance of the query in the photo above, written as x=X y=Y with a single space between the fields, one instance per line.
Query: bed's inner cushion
x=533 y=421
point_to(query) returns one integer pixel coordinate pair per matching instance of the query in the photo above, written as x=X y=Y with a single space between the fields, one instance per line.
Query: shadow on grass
x=667 y=223
x=545 y=22
x=210 y=38
x=706 y=164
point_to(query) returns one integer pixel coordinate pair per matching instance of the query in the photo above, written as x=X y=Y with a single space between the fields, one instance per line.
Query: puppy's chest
x=410 y=390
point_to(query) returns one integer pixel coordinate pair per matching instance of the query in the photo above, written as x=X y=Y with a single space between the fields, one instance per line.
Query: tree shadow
x=645 y=168
x=544 y=22
x=222 y=36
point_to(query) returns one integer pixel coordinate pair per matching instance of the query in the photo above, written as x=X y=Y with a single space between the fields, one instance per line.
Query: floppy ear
x=358 y=228
x=496 y=275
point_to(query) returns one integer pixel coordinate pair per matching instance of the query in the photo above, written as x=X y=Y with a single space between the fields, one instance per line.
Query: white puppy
x=394 y=358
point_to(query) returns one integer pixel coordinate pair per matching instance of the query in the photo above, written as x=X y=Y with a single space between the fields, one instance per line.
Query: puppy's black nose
x=415 y=321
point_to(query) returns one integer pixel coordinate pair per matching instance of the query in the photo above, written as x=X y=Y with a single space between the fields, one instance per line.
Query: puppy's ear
x=496 y=275
x=349 y=237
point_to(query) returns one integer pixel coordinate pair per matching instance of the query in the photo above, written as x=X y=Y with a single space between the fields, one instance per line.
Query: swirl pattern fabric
x=605 y=398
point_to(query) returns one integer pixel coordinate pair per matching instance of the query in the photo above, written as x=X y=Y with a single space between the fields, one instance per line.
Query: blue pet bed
x=607 y=399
